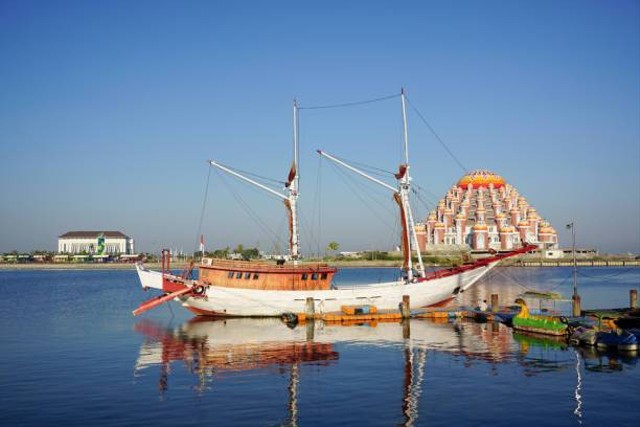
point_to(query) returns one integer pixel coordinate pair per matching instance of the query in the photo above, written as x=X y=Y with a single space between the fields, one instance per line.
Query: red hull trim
x=207 y=313
x=480 y=263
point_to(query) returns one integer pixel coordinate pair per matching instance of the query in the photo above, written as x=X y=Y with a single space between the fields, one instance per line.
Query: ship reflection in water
x=210 y=349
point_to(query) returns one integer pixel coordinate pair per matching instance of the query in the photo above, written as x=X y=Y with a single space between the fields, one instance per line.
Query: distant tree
x=333 y=247
x=218 y=253
x=251 y=253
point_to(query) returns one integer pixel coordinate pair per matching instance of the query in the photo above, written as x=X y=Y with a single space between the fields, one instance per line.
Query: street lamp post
x=576 y=310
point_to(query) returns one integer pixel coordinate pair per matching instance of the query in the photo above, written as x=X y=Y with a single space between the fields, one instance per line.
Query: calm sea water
x=74 y=355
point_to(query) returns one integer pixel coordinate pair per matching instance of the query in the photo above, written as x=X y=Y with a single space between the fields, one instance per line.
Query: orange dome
x=480 y=227
x=481 y=178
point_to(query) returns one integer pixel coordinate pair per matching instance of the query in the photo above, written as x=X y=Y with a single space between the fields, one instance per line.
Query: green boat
x=546 y=325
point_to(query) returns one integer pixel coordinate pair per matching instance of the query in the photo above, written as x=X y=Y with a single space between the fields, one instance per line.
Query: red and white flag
x=202 y=242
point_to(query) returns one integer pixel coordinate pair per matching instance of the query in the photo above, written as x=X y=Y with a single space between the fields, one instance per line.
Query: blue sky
x=110 y=110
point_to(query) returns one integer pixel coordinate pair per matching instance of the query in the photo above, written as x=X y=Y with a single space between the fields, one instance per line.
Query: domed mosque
x=485 y=213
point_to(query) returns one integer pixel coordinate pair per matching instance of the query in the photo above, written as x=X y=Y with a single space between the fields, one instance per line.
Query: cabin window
x=314 y=276
x=323 y=276
x=247 y=276
x=255 y=276
x=239 y=275
x=304 y=276
x=230 y=275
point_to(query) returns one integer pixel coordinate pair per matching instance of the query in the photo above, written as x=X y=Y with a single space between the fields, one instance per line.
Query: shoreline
x=340 y=264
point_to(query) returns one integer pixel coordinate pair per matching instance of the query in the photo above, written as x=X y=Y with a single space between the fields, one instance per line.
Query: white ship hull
x=225 y=301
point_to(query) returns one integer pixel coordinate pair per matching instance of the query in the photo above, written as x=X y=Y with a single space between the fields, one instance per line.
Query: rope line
x=497 y=272
x=351 y=183
x=264 y=178
x=204 y=205
x=251 y=212
x=453 y=156
x=581 y=273
x=349 y=104
x=372 y=170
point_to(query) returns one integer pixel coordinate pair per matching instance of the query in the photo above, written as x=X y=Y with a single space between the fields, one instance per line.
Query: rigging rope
x=372 y=170
x=428 y=205
x=350 y=104
x=596 y=277
x=318 y=203
x=497 y=272
x=204 y=205
x=264 y=178
x=352 y=183
x=256 y=218
x=453 y=156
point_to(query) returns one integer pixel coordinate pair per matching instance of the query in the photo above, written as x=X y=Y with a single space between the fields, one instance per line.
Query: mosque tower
x=484 y=212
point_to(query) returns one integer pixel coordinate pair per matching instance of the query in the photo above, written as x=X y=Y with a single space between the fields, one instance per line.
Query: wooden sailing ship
x=240 y=288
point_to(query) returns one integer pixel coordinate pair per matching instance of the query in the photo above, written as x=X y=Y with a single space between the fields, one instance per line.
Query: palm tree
x=333 y=246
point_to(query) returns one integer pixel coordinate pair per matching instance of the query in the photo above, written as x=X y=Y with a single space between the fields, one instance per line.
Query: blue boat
x=506 y=317
x=621 y=341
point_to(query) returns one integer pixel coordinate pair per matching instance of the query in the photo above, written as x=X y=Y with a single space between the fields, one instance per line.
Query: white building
x=95 y=243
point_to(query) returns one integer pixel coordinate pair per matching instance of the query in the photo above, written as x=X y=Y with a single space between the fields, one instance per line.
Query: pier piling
x=633 y=298
x=309 y=308
x=406 y=329
x=495 y=303
x=404 y=307
x=576 y=305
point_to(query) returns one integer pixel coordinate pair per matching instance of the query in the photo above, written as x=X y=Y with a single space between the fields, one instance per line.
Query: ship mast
x=405 y=186
x=401 y=196
x=292 y=186
x=291 y=195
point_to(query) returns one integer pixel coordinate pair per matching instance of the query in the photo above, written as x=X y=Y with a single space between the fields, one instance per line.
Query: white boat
x=240 y=288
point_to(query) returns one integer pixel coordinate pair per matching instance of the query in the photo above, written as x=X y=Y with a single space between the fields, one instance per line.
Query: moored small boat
x=546 y=325
x=583 y=335
x=617 y=340
x=630 y=319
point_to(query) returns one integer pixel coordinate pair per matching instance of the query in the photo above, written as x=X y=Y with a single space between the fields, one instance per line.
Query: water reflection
x=607 y=362
x=210 y=348
x=540 y=354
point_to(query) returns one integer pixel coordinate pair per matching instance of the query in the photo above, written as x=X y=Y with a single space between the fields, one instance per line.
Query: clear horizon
x=111 y=111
